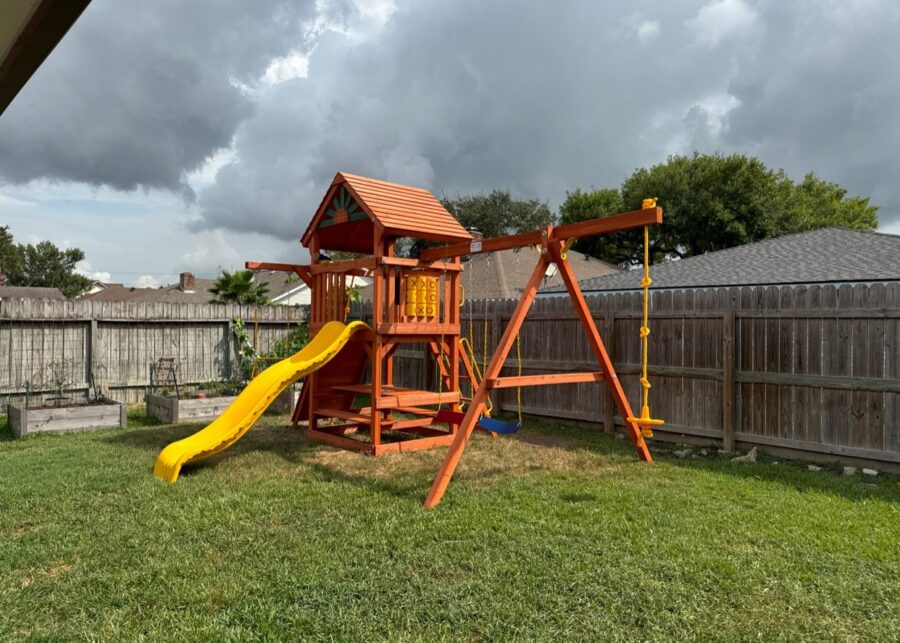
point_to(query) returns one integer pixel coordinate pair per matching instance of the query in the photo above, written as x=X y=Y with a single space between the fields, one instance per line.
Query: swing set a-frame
x=553 y=244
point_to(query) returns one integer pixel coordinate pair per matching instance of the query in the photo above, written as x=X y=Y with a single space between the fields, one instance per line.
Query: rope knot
x=645 y=382
x=645 y=331
x=645 y=282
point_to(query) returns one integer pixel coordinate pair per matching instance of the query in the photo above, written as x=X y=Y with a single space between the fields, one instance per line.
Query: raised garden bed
x=171 y=410
x=100 y=414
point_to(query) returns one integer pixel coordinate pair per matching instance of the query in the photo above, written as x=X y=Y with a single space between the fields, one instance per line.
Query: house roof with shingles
x=826 y=255
x=175 y=294
x=345 y=218
x=503 y=275
x=30 y=292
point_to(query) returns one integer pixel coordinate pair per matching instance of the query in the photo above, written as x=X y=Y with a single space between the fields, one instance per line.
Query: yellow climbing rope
x=645 y=421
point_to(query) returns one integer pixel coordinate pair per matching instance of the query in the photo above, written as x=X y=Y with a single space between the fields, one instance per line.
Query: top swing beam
x=553 y=243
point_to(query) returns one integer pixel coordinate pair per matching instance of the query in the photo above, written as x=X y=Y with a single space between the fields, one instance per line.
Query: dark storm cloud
x=138 y=93
x=542 y=98
x=458 y=96
x=821 y=92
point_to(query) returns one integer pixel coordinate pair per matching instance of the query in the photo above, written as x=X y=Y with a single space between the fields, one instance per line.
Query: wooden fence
x=806 y=368
x=44 y=342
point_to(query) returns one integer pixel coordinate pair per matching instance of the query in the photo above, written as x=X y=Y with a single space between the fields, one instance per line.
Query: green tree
x=498 y=213
x=713 y=202
x=10 y=257
x=45 y=265
x=239 y=287
x=819 y=203
x=493 y=215
x=581 y=206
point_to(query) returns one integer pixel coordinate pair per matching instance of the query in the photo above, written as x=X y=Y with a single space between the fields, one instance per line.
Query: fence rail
x=46 y=345
x=807 y=368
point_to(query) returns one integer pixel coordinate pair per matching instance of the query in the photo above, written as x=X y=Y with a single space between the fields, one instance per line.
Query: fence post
x=227 y=345
x=92 y=356
x=728 y=388
x=609 y=404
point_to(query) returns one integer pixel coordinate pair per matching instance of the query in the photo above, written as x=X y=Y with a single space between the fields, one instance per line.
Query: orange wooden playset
x=418 y=301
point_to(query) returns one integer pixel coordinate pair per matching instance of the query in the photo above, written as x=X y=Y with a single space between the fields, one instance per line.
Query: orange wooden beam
x=603 y=225
x=417 y=263
x=606 y=225
x=344 y=266
x=486 y=245
x=545 y=379
x=300 y=270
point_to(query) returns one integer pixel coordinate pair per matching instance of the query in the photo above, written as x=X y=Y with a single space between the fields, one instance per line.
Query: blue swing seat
x=488 y=424
x=498 y=426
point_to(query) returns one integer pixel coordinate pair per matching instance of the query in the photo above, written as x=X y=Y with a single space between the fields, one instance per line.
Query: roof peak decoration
x=343 y=208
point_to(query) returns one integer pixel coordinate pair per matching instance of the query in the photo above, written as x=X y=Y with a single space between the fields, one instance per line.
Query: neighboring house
x=300 y=294
x=824 y=256
x=194 y=290
x=28 y=292
x=100 y=291
x=98 y=286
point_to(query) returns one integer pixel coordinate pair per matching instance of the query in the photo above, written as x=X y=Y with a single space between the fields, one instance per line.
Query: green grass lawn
x=556 y=533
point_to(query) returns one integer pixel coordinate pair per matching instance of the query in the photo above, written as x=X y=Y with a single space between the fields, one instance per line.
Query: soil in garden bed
x=68 y=403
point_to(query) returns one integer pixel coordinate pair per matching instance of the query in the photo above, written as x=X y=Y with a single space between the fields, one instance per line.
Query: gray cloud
x=139 y=93
x=821 y=92
x=467 y=96
x=457 y=96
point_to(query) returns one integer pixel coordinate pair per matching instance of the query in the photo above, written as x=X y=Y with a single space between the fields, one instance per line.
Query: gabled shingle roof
x=819 y=256
x=402 y=210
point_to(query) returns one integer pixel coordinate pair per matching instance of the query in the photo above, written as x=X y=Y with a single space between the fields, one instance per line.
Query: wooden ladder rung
x=350 y=416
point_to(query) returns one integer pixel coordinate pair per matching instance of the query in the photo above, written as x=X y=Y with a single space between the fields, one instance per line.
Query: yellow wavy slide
x=237 y=419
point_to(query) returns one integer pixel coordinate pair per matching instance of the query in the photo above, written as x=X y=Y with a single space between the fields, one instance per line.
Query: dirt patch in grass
x=49 y=573
x=543 y=441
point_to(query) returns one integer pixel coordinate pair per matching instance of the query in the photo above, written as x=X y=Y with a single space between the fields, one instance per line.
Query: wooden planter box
x=171 y=410
x=284 y=403
x=104 y=415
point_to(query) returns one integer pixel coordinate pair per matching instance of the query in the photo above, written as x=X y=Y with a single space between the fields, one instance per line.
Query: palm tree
x=239 y=287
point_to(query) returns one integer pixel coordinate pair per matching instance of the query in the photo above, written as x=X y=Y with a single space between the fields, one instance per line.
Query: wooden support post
x=612 y=380
x=378 y=351
x=609 y=404
x=312 y=380
x=476 y=408
x=451 y=302
x=93 y=357
x=728 y=386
